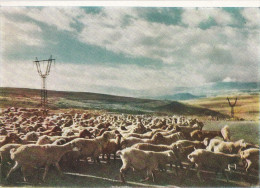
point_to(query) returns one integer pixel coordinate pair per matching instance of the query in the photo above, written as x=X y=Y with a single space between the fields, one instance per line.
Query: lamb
x=33 y=155
x=112 y=147
x=143 y=160
x=251 y=156
x=205 y=159
x=230 y=147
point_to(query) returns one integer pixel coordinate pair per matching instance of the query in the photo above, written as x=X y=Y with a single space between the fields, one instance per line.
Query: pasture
x=247 y=106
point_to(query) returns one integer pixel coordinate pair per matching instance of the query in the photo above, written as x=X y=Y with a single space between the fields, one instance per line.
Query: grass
x=20 y=97
x=247 y=106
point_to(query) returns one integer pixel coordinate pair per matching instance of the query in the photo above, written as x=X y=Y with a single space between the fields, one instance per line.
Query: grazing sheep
x=205 y=159
x=230 y=147
x=33 y=155
x=144 y=160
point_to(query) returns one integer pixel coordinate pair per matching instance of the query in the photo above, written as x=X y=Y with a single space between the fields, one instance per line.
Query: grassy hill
x=22 y=97
x=247 y=106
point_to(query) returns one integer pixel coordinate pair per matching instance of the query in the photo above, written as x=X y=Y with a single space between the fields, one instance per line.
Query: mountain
x=22 y=97
x=217 y=88
x=179 y=96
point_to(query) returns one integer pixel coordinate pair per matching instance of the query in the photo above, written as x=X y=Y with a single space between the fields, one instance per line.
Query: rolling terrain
x=22 y=97
x=247 y=106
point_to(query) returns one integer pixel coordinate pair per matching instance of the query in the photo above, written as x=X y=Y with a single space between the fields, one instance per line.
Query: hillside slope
x=22 y=97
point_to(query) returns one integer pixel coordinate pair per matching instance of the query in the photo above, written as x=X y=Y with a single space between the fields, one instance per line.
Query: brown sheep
x=201 y=135
x=112 y=147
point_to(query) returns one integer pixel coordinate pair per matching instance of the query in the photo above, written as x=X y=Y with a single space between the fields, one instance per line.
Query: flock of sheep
x=30 y=141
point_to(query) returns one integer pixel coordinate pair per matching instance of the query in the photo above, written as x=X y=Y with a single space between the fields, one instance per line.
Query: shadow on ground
x=107 y=175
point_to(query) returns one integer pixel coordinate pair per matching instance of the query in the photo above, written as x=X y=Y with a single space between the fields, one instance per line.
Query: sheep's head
x=180 y=135
x=85 y=133
x=177 y=128
x=107 y=135
x=242 y=143
x=123 y=143
x=206 y=141
x=60 y=141
x=157 y=137
x=56 y=129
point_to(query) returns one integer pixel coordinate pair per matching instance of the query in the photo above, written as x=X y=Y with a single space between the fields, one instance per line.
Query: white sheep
x=230 y=147
x=205 y=159
x=33 y=155
x=143 y=160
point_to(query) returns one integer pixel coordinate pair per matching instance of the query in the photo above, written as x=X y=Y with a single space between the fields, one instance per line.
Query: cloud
x=252 y=16
x=194 y=16
x=96 y=78
x=186 y=54
x=61 y=18
x=15 y=33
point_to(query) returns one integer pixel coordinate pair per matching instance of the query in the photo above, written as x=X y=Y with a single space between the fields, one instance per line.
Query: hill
x=180 y=96
x=22 y=97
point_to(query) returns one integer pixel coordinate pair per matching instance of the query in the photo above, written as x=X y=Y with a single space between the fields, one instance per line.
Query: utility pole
x=40 y=64
x=232 y=107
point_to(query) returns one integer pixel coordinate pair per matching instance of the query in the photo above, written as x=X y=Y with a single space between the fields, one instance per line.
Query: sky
x=129 y=51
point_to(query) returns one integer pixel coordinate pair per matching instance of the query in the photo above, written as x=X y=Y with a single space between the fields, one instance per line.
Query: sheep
x=205 y=159
x=31 y=136
x=158 y=148
x=33 y=155
x=112 y=147
x=44 y=140
x=8 y=139
x=230 y=147
x=167 y=140
x=92 y=147
x=213 y=143
x=143 y=160
x=6 y=158
x=201 y=135
x=251 y=156
x=225 y=132
x=186 y=143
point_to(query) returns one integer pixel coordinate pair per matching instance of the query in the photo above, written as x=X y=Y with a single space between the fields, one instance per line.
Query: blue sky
x=129 y=51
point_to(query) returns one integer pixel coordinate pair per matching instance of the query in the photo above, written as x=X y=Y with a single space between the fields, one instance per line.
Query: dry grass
x=247 y=106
